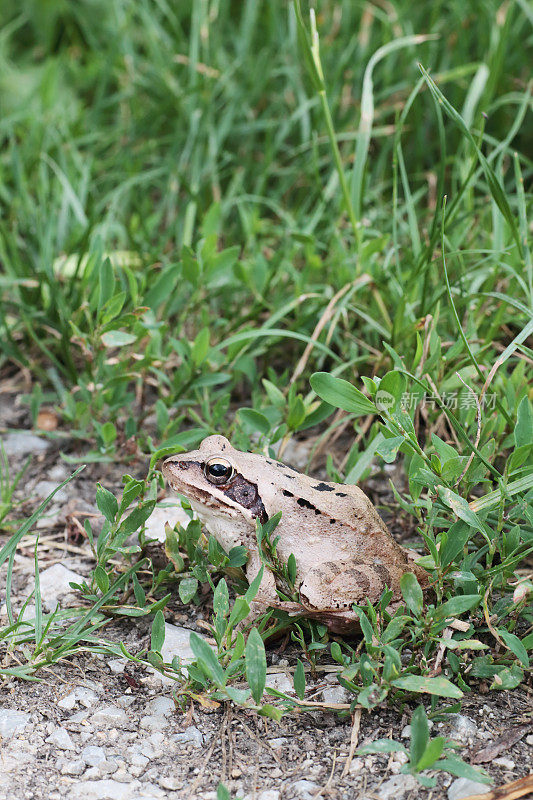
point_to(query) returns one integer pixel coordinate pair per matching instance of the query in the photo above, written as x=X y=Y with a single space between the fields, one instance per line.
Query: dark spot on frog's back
x=323 y=487
x=341 y=494
x=306 y=504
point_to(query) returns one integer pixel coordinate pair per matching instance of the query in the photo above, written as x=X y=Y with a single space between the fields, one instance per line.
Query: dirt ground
x=97 y=728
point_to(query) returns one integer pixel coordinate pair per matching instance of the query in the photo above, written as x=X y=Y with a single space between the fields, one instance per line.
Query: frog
x=343 y=551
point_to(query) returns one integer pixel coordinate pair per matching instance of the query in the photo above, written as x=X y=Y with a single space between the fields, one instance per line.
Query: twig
x=354 y=740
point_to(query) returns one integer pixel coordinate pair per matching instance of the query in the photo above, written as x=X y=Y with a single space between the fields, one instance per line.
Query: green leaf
x=394 y=628
x=102 y=579
x=460 y=507
x=187 y=589
x=200 y=347
x=273 y=712
x=366 y=626
x=412 y=593
x=456 y=766
x=254 y=586
x=157 y=637
x=207 y=660
x=507 y=678
x=456 y=606
x=107 y=503
x=138 y=591
x=223 y=792
x=299 y=680
x=106 y=281
x=137 y=518
x=117 y=338
x=221 y=598
x=238 y=696
x=240 y=611
x=390 y=390
x=381 y=746
x=454 y=542
x=515 y=645
x=336 y=653
x=291 y=568
x=172 y=549
x=523 y=432
x=388 y=449
x=237 y=556
x=341 y=394
x=253 y=421
x=419 y=735
x=419 y=683
x=431 y=754
x=255 y=661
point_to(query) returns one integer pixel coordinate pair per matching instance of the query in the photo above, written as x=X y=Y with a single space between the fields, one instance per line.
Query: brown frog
x=344 y=552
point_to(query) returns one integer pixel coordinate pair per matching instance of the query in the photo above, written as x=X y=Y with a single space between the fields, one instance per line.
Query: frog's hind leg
x=337 y=585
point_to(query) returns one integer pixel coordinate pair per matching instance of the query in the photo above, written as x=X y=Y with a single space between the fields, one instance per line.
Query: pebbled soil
x=145 y=751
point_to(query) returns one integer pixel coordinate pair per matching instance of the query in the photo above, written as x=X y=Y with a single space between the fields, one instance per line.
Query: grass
x=239 y=218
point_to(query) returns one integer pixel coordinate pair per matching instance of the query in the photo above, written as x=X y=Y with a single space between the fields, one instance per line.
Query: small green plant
x=427 y=753
x=7 y=488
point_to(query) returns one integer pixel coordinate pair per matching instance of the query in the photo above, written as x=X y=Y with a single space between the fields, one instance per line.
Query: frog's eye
x=218 y=470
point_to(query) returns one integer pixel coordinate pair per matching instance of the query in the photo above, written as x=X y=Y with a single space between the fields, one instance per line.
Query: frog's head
x=216 y=481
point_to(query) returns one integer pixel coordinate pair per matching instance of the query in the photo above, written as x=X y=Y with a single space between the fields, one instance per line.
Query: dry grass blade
x=523 y=787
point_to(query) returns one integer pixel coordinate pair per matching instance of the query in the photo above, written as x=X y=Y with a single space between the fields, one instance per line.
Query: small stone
x=161 y=705
x=281 y=682
x=176 y=643
x=190 y=735
x=170 y=782
x=139 y=760
x=79 y=717
x=75 y=767
x=397 y=786
x=61 y=738
x=125 y=700
x=86 y=697
x=172 y=513
x=356 y=766
x=12 y=722
x=305 y=789
x=54 y=583
x=277 y=743
x=506 y=763
x=463 y=787
x=117 y=665
x=269 y=794
x=93 y=755
x=110 y=715
x=529 y=739
x=462 y=727
x=100 y=790
x=23 y=443
x=107 y=767
x=336 y=694
x=153 y=723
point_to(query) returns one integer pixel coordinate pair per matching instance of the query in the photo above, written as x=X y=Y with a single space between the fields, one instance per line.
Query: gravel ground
x=99 y=728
